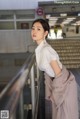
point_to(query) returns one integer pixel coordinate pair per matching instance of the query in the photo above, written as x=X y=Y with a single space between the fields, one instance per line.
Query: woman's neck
x=38 y=42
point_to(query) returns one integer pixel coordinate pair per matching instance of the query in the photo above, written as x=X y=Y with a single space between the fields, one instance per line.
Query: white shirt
x=44 y=55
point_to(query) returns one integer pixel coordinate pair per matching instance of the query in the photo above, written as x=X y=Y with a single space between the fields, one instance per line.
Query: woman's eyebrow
x=37 y=26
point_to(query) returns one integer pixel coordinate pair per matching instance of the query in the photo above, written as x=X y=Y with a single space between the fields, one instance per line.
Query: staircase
x=68 y=50
x=69 y=53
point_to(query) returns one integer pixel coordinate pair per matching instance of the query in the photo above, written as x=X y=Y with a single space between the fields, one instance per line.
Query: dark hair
x=44 y=24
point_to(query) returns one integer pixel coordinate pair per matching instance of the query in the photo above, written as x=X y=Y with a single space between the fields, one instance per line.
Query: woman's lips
x=34 y=35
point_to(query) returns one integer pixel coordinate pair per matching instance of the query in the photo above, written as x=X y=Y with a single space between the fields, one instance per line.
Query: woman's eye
x=38 y=29
x=33 y=28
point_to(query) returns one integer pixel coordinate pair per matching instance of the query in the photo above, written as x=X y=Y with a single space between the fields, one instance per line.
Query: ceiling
x=64 y=20
x=62 y=12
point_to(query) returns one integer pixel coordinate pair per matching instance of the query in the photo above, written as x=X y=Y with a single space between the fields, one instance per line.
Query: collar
x=40 y=46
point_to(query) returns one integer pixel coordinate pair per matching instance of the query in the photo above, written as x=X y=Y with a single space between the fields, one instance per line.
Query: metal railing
x=13 y=92
x=31 y=47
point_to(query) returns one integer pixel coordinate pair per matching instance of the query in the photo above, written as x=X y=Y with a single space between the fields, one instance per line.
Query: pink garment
x=62 y=91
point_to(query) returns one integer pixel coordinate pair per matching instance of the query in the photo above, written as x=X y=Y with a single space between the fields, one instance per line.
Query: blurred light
x=63 y=15
x=78 y=14
x=48 y=16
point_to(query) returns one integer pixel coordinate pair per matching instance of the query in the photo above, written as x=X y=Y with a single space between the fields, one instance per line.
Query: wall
x=70 y=31
x=15 y=41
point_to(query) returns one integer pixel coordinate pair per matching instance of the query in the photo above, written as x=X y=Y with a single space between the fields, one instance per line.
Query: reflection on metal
x=13 y=92
x=21 y=109
x=33 y=91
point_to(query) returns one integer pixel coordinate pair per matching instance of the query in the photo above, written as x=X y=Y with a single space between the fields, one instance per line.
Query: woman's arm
x=55 y=67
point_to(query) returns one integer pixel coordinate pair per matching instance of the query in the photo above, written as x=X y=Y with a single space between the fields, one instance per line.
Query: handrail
x=15 y=78
x=31 y=45
x=14 y=88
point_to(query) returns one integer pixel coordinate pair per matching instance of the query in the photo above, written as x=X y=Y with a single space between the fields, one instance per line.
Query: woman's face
x=38 y=34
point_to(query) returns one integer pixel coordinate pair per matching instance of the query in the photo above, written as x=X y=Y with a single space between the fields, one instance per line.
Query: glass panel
x=24 y=24
x=6 y=17
x=6 y=25
x=25 y=16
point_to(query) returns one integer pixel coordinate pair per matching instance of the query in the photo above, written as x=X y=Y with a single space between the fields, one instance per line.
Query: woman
x=60 y=84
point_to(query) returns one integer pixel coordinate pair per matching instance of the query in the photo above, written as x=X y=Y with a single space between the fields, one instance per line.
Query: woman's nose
x=34 y=31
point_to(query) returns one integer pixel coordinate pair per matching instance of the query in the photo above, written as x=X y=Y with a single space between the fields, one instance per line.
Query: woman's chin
x=34 y=40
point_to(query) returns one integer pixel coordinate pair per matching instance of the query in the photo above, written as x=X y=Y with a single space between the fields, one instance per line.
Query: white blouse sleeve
x=51 y=54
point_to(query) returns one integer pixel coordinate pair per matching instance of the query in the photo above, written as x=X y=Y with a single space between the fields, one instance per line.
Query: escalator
x=28 y=101
x=23 y=95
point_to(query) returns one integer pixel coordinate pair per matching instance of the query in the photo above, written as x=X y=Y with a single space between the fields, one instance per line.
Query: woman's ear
x=46 y=33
